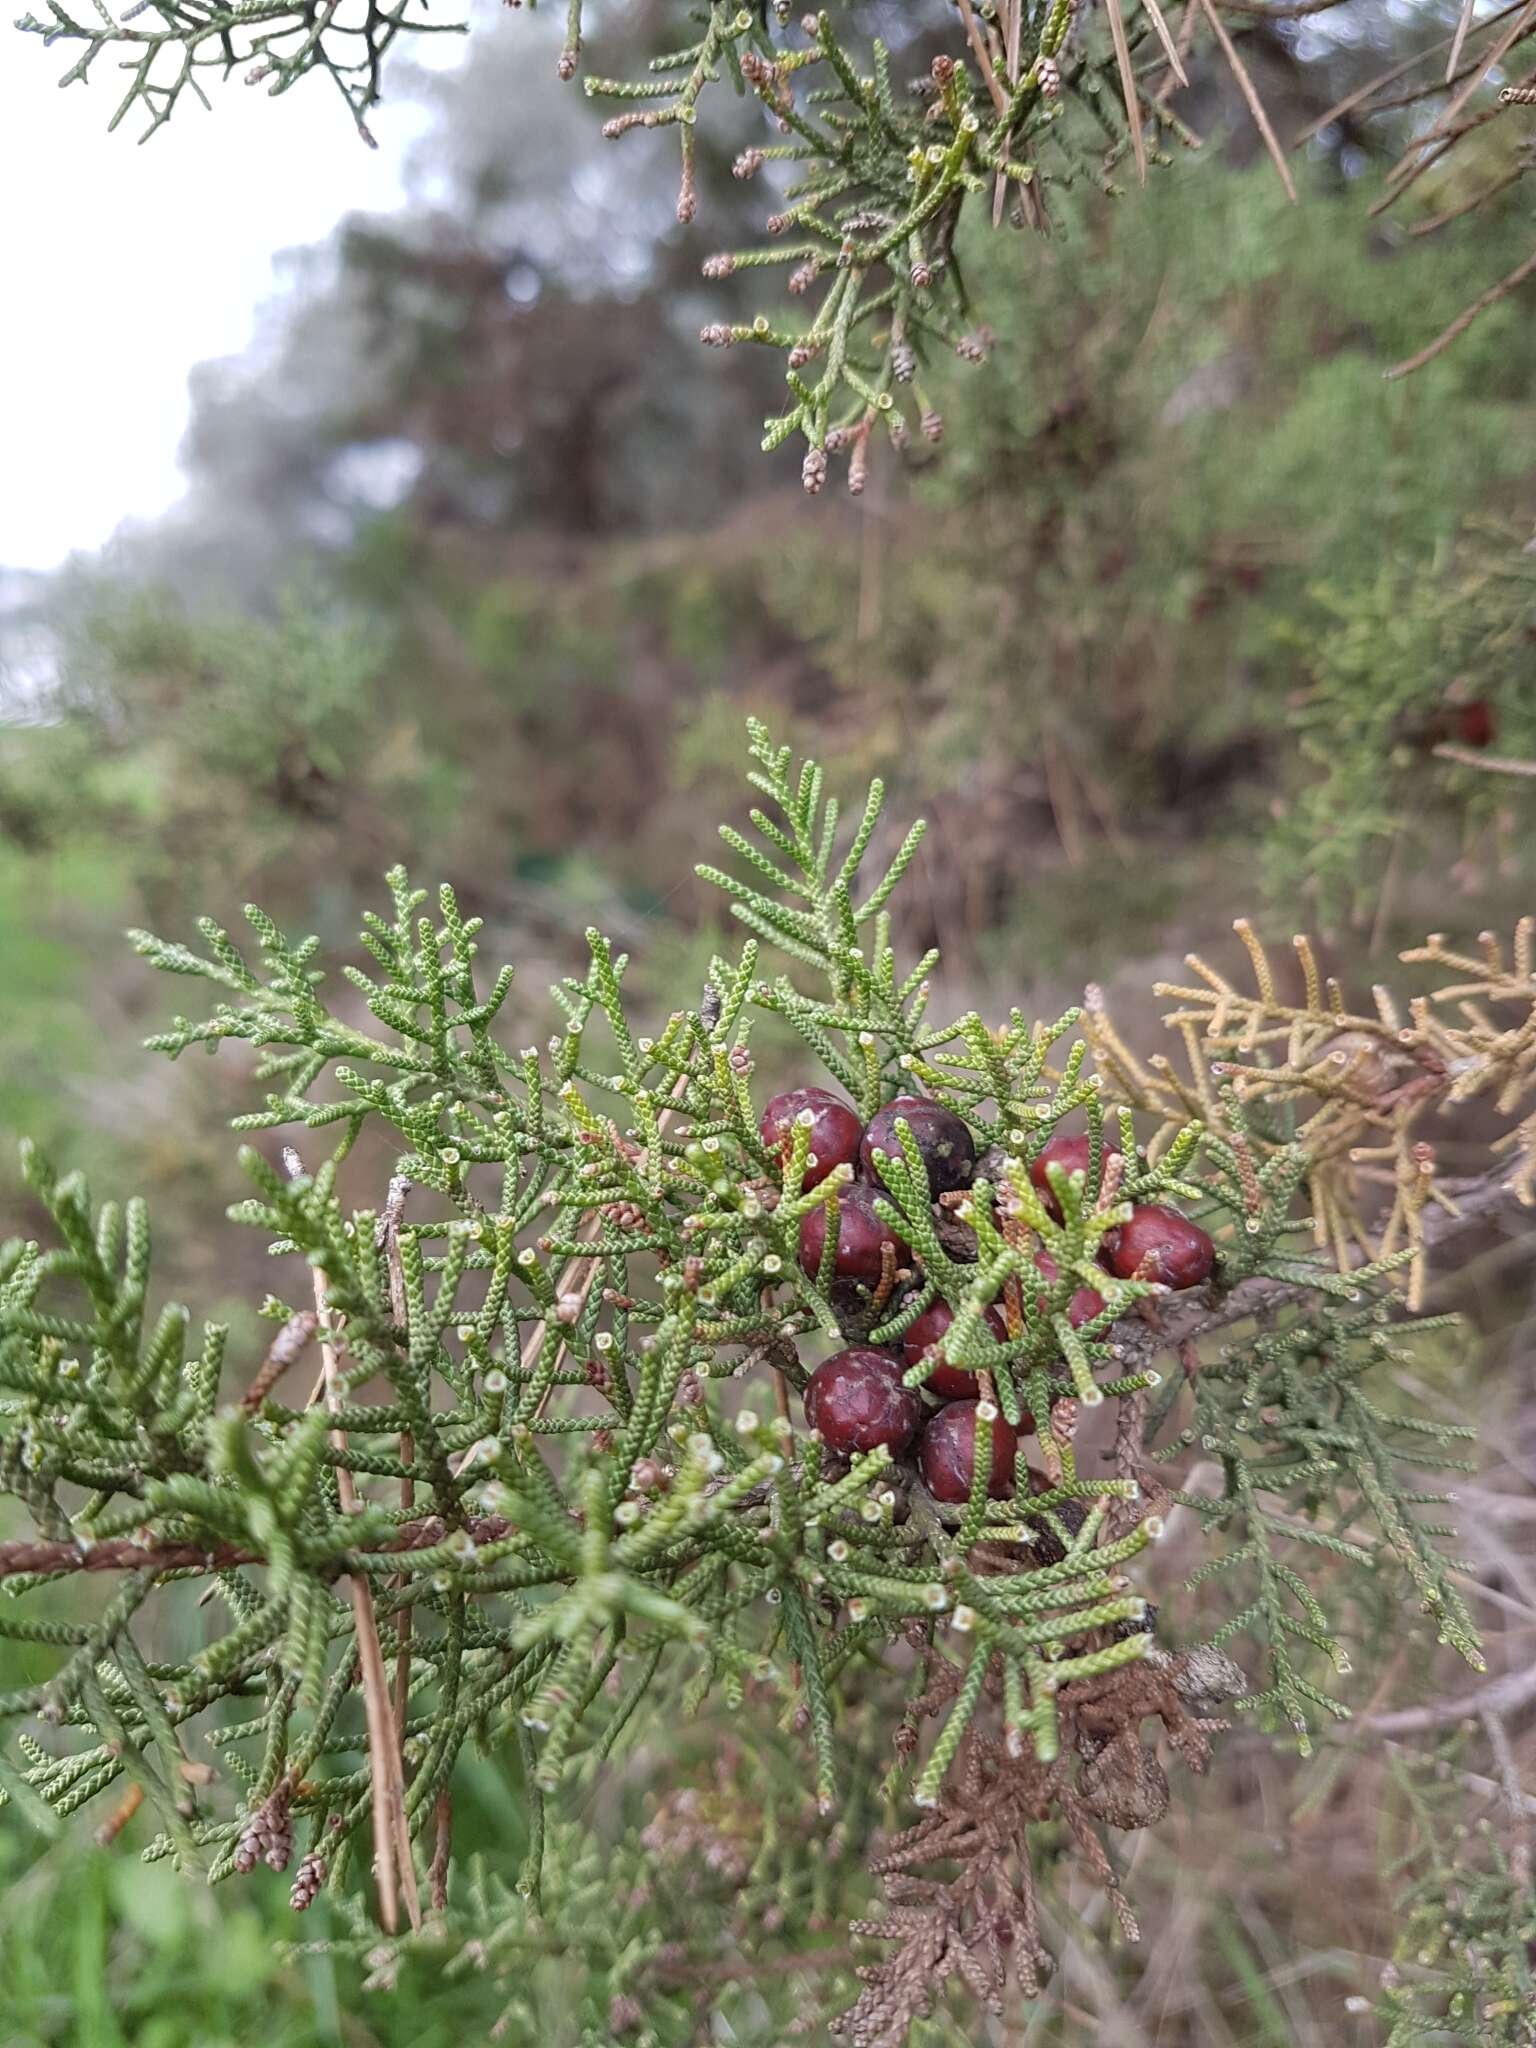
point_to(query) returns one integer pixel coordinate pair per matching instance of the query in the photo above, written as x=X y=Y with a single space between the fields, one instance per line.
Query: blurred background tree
x=475 y=558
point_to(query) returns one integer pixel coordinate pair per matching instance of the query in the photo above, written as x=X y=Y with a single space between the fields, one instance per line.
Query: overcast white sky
x=123 y=266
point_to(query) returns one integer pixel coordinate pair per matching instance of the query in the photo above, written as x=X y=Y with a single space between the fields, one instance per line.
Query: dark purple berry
x=835 y=1130
x=951 y=1382
x=1084 y=1305
x=1159 y=1244
x=1071 y=1155
x=943 y=1140
x=1476 y=724
x=946 y=1455
x=860 y=1235
x=857 y=1401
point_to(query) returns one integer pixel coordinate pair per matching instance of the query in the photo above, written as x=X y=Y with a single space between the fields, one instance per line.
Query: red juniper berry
x=950 y=1382
x=835 y=1130
x=943 y=1140
x=946 y=1455
x=861 y=1238
x=1157 y=1243
x=857 y=1401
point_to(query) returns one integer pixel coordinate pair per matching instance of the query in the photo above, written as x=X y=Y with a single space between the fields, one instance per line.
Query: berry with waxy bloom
x=1084 y=1305
x=1157 y=1243
x=943 y=1140
x=951 y=1382
x=946 y=1454
x=857 y=1402
x=860 y=1236
x=1071 y=1154
x=835 y=1130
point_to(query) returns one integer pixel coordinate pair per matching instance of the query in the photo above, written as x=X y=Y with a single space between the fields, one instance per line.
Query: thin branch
x=1351 y=100
x=394 y=1864
x=1505 y=1695
x=1138 y=1341
x=1154 y=14
x=388 y=1241
x=1465 y=206
x=1287 y=10
x=1186 y=37
x=1523 y=22
x=288 y=1346
x=983 y=55
x=393 y=1861
x=1128 y=87
x=1459 y=326
x=1495 y=764
x=442 y=1851
x=1468 y=7
x=1246 y=87
x=123 y=1555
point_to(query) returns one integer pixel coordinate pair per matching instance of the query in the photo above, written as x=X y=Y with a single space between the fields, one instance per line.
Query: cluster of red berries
x=857 y=1400
x=838 y=1138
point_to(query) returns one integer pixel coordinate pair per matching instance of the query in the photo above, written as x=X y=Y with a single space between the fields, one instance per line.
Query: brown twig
x=1459 y=326
x=1518 y=28
x=1436 y=222
x=1361 y=93
x=1511 y=1792
x=120 y=1816
x=1246 y=87
x=388 y=1241
x=1495 y=764
x=1506 y=1695
x=1464 y=22
x=393 y=1862
x=442 y=1851
x=288 y=1346
x=122 y=1554
x=1013 y=18
x=1408 y=169
x=978 y=44
x=1183 y=44
x=568 y=1292
x=1159 y=23
x=1137 y=1341
x=1406 y=173
x=1280 y=10
x=1128 y=87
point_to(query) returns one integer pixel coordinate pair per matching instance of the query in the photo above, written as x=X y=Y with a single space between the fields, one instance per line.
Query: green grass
x=99 y=1951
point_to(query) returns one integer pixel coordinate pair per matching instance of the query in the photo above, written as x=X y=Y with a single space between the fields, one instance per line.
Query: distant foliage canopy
x=555 y=1480
x=874 y=158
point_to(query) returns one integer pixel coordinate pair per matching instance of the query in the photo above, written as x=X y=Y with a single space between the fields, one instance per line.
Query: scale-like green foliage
x=549 y=1483
x=1415 y=710
x=270 y=42
x=1028 y=98
x=1464 y=1968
